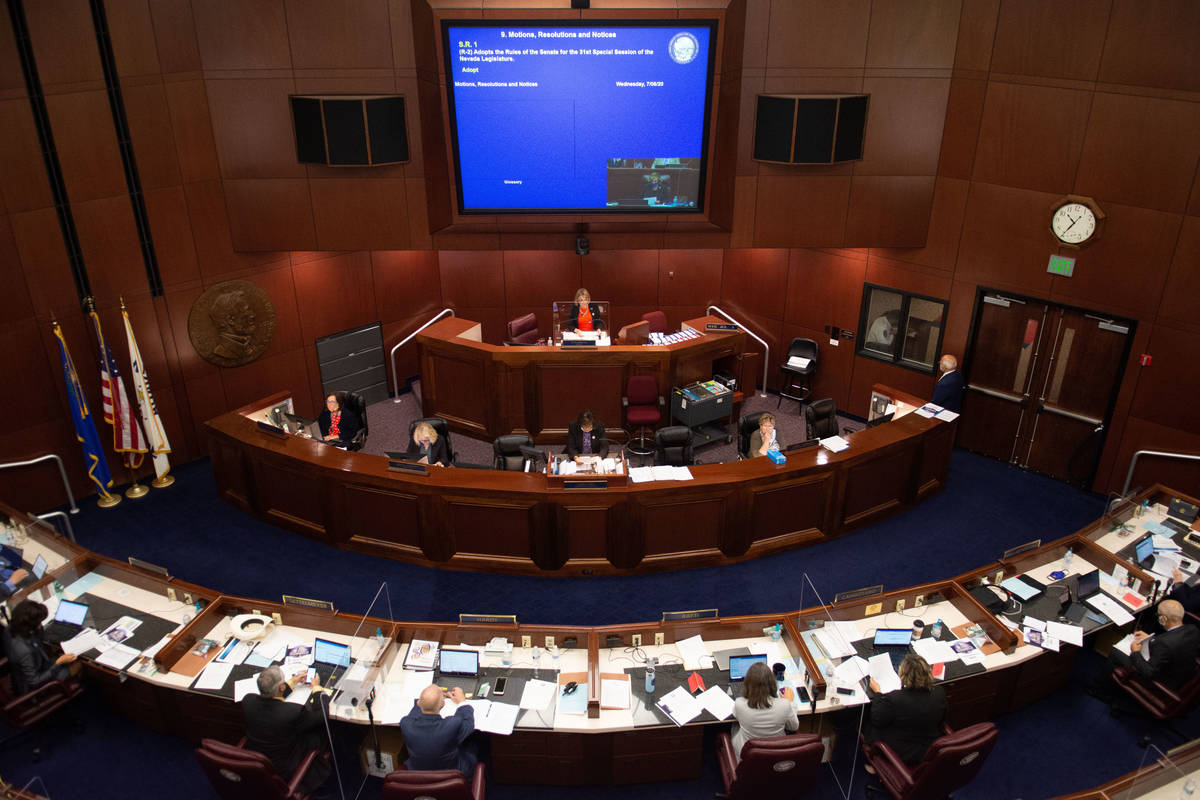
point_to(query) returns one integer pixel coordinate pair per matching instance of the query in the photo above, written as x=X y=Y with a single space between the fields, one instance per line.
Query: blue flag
x=85 y=427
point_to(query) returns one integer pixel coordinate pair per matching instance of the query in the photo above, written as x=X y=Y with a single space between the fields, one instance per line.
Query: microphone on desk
x=1154 y=594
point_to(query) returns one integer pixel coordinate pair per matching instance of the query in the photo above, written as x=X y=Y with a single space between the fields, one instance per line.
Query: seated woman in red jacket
x=337 y=423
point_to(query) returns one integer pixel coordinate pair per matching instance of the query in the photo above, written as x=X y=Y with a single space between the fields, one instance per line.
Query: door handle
x=999 y=395
x=1062 y=412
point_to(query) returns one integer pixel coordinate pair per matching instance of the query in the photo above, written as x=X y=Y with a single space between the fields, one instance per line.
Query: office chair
x=523 y=330
x=443 y=431
x=747 y=425
x=796 y=382
x=643 y=409
x=773 y=766
x=952 y=761
x=22 y=709
x=354 y=402
x=240 y=774
x=821 y=419
x=1157 y=700
x=509 y=453
x=441 y=784
x=657 y=320
x=673 y=446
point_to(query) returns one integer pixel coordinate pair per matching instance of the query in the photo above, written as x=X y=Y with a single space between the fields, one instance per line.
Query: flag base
x=136 y=491
x=163 y=482
x=108 y=501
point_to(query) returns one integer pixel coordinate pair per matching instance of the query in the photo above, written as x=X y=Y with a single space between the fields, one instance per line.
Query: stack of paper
x=496 y=718
x=214 y=675
x=835 y=444
x=946 y=415
x=716 y=702
x=833 y=642
x=694 y=652
x=615 y=692
x=852 y=670
x=929 y=410
x=119 y=656
x=883 y=673
x=933 y=651
x=680 y=706
x=798 y=362
x=81 y=642
x=538 y=694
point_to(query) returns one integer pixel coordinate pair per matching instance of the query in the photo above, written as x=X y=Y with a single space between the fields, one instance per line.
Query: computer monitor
x=740 y=665
x=893 y=637
x=1144 y=549
x=71 y=613
x=327 y=652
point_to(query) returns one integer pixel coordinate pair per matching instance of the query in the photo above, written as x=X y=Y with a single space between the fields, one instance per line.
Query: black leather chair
x=796 y=382
x=522 y=330
x=507 y=449
x=771 y=766
x=353 y=401
x=821 y=419
x=747 y=425
x=443 y=431
x=673 y=446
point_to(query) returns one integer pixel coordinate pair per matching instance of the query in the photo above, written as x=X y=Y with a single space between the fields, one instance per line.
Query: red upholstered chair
x=23 y=711
x=441 y=784
x=240 y=774
x=657 y=320
x=951 y=762
x=643 y=409
x=523 y=330
x=1156 y=699
x=773 y=766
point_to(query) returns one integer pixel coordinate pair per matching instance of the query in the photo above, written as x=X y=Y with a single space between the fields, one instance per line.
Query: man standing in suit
x=285 y=732
x=948 y=392
x=1168 y=657
x=437 y=743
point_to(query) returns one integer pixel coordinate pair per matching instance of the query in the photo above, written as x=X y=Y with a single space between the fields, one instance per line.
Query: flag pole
x=137 y=490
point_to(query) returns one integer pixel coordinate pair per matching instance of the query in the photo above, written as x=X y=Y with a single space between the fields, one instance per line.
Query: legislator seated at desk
x=585 y=315
x=909 y=719
x=286 y=732
x=30 y=664
x=1168 y=658
x=427 y=447
x=337 y=424
x=435 y=742
x=586 y=437
x=761 y=711
x=766 y=438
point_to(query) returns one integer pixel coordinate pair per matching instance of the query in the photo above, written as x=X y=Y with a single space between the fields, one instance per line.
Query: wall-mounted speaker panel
x=350 y=131
x=797 y=129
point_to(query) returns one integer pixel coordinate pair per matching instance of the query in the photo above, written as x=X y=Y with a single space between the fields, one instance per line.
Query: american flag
x=118 y=411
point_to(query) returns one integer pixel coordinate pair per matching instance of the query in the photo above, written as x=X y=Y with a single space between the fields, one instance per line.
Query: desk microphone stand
x=374 y=733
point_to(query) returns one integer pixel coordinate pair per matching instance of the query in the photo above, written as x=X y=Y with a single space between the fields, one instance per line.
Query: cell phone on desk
x=501 y=685
x=844 y=690
x=308 y=676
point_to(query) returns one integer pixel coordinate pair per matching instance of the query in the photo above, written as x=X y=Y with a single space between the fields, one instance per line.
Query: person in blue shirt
x=434 y=742
x=948 y=392
x=12 y=575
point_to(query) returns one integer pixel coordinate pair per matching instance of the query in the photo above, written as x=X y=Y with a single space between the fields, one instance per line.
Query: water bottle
x=378 y=643
x=650 y=662
x=936 y=631
x=1067 y=559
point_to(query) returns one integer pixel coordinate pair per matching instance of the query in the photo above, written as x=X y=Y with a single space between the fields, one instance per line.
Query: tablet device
x=458 y=662
x=738 y=665
x=39 y=568
x=1144 y=549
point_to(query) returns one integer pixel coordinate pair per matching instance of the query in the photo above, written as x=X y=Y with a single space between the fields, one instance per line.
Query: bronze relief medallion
x=232 y=323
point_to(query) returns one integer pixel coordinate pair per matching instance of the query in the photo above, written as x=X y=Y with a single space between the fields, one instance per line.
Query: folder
x=616 y=696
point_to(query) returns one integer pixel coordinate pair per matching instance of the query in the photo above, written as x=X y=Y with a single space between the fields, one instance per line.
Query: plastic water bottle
x=650 y=662
x=378 y=642
x=936 y=631
x=1067 y=559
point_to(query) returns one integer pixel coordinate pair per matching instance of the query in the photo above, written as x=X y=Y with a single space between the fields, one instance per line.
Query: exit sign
x=1061 y=265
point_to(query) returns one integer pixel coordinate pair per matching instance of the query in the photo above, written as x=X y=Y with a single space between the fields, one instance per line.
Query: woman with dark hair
x=908 y=720
x=31 y=666
x=338 y=424
x=586 y=437
x=760 y=711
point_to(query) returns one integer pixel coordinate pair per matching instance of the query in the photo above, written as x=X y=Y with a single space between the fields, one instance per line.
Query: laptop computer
x=1143 y=551
x=721 y=657
x=892 y=641
x=68 y=621
x=39 y=568
x=330 y=659
x=458 y=669
x=1087 y=585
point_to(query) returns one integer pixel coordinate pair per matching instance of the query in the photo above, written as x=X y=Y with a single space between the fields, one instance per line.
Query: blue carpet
x=986 y=508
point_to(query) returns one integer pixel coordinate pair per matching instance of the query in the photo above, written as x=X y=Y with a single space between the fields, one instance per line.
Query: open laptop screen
x=738 y=665
x=1144 y=549
x=327 y=652
x=893 y=637
x=458 y=662
x=1088 y=584
x=71 y=613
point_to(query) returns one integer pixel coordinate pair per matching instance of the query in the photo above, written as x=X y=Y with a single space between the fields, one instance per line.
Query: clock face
x=1073 y=223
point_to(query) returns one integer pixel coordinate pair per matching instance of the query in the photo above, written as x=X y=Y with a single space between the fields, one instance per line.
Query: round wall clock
x=1076 y=221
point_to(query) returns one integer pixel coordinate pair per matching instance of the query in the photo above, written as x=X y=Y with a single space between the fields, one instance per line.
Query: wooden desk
x=486 y=390
x=514 y=522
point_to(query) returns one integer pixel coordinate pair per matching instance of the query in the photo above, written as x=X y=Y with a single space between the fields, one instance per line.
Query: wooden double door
x=1042 y=380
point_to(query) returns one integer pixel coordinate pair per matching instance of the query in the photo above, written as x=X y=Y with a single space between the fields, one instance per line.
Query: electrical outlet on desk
x=526 y=641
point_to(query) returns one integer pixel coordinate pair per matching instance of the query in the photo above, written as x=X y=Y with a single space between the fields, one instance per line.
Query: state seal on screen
x=683 y=48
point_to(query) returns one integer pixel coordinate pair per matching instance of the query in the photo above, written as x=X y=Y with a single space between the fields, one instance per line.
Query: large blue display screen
x=558 y=117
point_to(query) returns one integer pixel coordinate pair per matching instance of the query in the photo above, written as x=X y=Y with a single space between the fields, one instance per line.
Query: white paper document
x=928 y=410
x=1071 y=634
x=1033 y=622
x=882 y=671
x=946 y=415
x=396 y=700
x=500 y=718
x=680 y=706
x=968 y=653
x=798 y=362
x=1110 y=608
x=538 y=694
x=641 y=474
x=716 y=702
x=833 y=642
x=614 y=693
x=1125 y=645
x=118 y=656
x=1019 y=587
x=852 y=670
x=1164 y=543
x=933 y=651
x=1042 y=640
x=81 y=642
x=835 y=444
x=244 y=687
x=214 y=675
x=694 y=652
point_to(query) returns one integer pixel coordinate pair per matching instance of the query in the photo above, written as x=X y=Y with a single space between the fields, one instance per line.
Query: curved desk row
x=596 y=745
x=516 y=522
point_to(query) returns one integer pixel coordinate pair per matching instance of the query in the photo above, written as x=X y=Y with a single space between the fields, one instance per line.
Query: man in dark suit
x=435 y=742
x=1168 y=657
x=910 y=719
x=285 y=732
x=948 y=392
x=585 y=437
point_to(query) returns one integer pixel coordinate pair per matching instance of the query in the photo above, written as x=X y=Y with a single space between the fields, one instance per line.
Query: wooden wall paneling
x=868 y=372
x=1141 y=434
x=273 y=373
x=1031 y=136
x=1165 y=389
x=1053 y=40
x=549 y=546
x=291 y=498
x=44 y=261
x=889 y=210
x=418 y=218
x=404 y=43
x=64 y=45
x=626 y=534
x=564 y=391
x=192 y=130
x=835 y=366
x=810 y=33
x=934 y=459
x=873 y=489
x=913 y=33
x=334 y=294
x=252 y=128
x=359 y=213
x=1105 y=277
x=962 y=306
x=960 y=132
x=801 y=211
x=179 y=428
x=178 y=307
x=723 y=139
x=175 y=35
x=112 y=253
x=40 y=486
x=87 y=145
x=312 y=391
x=457 y=391
x=824 y=288
x=242 y=34
x=439 y=196
x=769 y=330
x=25 y=355
x=472 y=278
x=406 y=284
x=131 y=29
x=1006 y=239
x=350 y=35
x=150 y=129
x=15 y=302
x=692 y=525
x=171 y=227
x=945 y=227
x=206 y=400
x=689 y=277
x=1173 y=62
x=623 y=278
x=23 y=182
x=745 y=195
x=1140 y=151
x=12 y=81
x=752 y=86
x=976 y=34
x=904 y=126
x=213 y=238
x=270 y=214
x=480 y=526
x=364 y=506
x=756 y=281
x=1183 y=280
x=540 y=278
x=587 y=528
x=908 y=277
x=789 y=512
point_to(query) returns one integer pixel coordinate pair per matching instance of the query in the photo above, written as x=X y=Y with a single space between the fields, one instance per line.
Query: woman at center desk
x=337 y=424
x=585 y=315
x=427 y=447
x=765 y=438
x=585 y=437
x=910 y=719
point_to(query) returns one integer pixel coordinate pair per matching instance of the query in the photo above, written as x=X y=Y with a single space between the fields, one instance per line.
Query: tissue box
x=777 y=456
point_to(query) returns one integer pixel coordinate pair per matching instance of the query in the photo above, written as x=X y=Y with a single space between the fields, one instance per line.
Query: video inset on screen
x=641 y=182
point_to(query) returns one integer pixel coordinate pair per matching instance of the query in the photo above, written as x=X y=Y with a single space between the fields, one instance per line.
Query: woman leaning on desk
x=427 y=447
x=26 y=647
x=760 y=711
x=910 y=719
x=765 y=438
x=585 y=315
